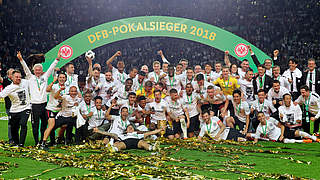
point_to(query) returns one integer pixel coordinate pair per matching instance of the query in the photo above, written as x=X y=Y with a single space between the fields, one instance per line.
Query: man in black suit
x=311 y=77
x=262 y=81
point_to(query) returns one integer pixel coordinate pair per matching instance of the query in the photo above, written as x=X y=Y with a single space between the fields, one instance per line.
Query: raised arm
x=226 y=59
x=109 y=61
x=49 y=88
x=90 y=66
x=52 y=66
x=24 y=66
x=253 y=56
x=164 y=59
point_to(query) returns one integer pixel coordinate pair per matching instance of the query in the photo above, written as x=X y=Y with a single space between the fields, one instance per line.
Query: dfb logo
x=241 y=50
x=66 y=51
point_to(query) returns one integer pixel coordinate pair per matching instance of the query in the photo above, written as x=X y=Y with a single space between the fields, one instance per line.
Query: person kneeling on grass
x=273 y=130
x=216 y=130
x=131 y=139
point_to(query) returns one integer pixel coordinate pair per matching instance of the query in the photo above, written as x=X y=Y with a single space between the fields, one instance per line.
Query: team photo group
x=220 y=101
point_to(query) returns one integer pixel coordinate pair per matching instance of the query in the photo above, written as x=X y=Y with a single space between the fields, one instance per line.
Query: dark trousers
x=70 y=122
x=9 y=126
x=316 y=126
x=39 y=112
x=81 y=133
x=18 y=120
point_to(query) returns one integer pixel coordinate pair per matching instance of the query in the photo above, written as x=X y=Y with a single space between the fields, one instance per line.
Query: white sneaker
x=110 y=148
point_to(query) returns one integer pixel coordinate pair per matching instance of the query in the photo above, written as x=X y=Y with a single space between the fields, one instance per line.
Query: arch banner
x=161 y=26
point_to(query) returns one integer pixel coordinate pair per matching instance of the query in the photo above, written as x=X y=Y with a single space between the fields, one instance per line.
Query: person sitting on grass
x=131 y=139
x=216 y=130
x=273 y=130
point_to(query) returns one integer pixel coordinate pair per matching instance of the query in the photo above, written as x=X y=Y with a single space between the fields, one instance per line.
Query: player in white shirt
x=37 y=88
x=179 y=114
x=277 y=76
x=188 y=78
x=218 y=72
x=208 y=74
x=216 y=130
x=261 y=104
x=172 y=80
x=289 y=114
x=139 y=81
x=94 y=84
x=132 y=139
x=190 y=101
x=276 y=93
x=121 y=94
x=158 y=110
x=310 y=103
x=156 y=75
x=109 y=87
x=241 y=112
x=130 y=103
x=272 y=130
x=72 y=78
x=246 y=86
x=117 y=73
x=18 y=93
x=53 y=106
x=98 y=116
x=200 y=85
x=67 y=114
x=118 y=123
x=244 y=68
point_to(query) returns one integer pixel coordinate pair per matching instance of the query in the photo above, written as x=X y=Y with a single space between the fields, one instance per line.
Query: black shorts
x=194 y=124
x=60 y=120
x=176 y=127
x=289 y=133
x=241 y=124
x=131 y=143
x=52 y=114
x=234 y=134
x=169 y=132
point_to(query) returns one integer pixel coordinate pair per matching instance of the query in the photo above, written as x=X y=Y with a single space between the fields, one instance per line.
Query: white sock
x=116 y=149
x=183 y=127
x=289 y=141
x=304 y=134
x=111 y=141
x=150 y=148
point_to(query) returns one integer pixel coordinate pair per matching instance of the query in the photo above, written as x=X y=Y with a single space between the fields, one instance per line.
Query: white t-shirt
x=71 y=81
x=133 y=135
x=209 y=77
x=290 y=114
x=272 y=95
x=131 y=108
x=86 y=109
x=159 y=108
x=266 y=107
x=295 y=75
x=216 y=75
x=104 y=90
x=176 y=108
x=241 y=73
x=97 y=118
x=203 y=89
x=313 y=102
x=247 y=89
x=270 y=130
x=154 y=76
x=240 y=110
x=118 y=126
x=53 y=103
x=136 y=85
x=174 y=82
x=121 y=77
x=19 y=96
x=68 y=105
x=190 y=102
x=213 y=128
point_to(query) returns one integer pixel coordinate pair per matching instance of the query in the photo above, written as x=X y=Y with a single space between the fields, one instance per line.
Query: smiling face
x=16 y=78
x=38 y=70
